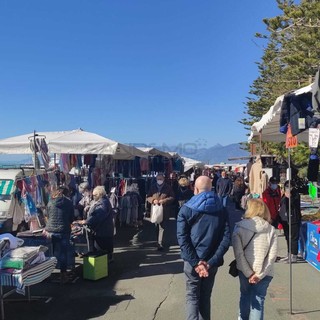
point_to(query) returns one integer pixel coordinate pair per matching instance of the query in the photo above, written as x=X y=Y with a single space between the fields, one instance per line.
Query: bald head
x=203 y=184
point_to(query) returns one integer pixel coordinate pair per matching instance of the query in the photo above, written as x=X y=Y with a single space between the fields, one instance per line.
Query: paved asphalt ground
x=144 y=284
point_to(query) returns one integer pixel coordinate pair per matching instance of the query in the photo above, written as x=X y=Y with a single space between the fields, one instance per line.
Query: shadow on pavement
x=135 y=256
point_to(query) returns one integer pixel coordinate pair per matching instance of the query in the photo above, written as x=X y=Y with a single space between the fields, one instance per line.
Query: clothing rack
x=34 y=147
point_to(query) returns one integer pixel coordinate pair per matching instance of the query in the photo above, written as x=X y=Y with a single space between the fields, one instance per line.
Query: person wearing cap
x=161 y=193
x=271 y=197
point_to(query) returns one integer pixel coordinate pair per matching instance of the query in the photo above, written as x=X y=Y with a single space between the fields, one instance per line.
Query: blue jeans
x=224 y=200
x=252 y=297
x=60 y=242
x=198 y=293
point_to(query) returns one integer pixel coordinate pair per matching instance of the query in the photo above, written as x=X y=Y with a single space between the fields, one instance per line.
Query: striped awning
x=6 y=187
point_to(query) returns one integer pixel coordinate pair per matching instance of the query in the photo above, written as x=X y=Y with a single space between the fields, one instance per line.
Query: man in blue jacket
x=224 y=188
x=204 y=237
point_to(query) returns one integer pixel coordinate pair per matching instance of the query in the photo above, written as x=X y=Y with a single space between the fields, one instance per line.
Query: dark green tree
x=290 y=61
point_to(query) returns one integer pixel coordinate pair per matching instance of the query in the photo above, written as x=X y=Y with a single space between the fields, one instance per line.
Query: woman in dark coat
x=295 y=219
x=60 y=214
x=100 y=221
x=184 y=193
x=239 y=189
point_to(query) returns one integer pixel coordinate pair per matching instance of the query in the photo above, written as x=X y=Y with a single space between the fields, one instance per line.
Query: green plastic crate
x=95 y=267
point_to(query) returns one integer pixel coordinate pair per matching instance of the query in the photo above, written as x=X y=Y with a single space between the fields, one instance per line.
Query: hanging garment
x=16 y=211
x=144 y=164
x=264 y=182
x=64 y=162
x=313 y=168
x=44 y=153
x=316 y=92
x=293 y=108
x=30 y=206
x=129 y=208
x=255 y=177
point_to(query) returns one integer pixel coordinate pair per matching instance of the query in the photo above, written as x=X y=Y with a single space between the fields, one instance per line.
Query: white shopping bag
x=156 y=213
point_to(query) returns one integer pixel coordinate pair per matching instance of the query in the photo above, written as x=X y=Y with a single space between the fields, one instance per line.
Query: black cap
x=273 y=180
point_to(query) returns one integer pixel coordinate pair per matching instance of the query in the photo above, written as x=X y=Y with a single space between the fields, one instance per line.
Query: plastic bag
x=156 y=213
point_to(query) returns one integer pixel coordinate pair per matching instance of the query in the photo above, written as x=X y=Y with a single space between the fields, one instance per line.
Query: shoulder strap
x=249 y=241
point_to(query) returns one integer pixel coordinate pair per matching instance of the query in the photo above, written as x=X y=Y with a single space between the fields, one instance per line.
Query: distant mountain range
x=213 y=155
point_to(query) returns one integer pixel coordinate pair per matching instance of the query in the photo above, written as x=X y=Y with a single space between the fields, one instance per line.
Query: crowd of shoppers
x=203 y=231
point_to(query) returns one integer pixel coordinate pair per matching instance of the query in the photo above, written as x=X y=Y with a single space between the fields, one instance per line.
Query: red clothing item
x=272 y=199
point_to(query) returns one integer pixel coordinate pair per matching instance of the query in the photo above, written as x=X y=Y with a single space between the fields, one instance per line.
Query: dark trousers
x=105 y=244
x=295 y=230
x=198 y=295
x=60 y=243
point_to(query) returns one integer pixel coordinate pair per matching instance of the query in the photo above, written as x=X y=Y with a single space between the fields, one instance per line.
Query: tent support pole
x=290 y=230
x=260 y=142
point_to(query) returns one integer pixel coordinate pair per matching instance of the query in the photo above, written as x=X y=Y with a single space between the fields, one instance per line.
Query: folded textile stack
x=23 y=257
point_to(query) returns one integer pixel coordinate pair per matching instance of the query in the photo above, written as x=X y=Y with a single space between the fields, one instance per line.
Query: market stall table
x=21 y=279
x=36 y=239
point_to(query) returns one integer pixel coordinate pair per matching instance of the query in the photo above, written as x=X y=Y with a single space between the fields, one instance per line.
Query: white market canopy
x=192 y=163
x=21 y=144
x=71 y=142
x=155 y=152
x=267 y=128
x=83 y=142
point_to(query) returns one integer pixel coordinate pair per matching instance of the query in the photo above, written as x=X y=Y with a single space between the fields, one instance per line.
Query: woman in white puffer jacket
x=255 y=263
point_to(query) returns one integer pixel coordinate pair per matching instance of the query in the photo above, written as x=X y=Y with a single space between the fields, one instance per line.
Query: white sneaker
x=285 y=259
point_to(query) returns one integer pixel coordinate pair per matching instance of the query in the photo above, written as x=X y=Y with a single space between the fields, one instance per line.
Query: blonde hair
x=100 y=191
x=183 y=182
x=257 y=208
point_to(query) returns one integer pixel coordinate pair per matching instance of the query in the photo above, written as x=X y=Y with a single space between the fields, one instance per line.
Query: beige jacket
x=166 y=194
x=261 y=253
x=255 y=177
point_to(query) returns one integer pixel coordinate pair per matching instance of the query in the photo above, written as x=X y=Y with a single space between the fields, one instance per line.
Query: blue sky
x=136 y=71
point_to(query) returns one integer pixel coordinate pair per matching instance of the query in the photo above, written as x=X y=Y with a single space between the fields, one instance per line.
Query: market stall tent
x=71 y=142
x=83 y=142
x=192 y=163
x=155 y=152
x=267 y=128
x=21 y=144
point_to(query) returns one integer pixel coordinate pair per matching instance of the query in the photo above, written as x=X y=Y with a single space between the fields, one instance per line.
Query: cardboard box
x=95 y=267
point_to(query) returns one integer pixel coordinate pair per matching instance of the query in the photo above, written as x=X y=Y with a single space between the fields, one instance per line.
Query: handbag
x=233 y=270
x=156 y=213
